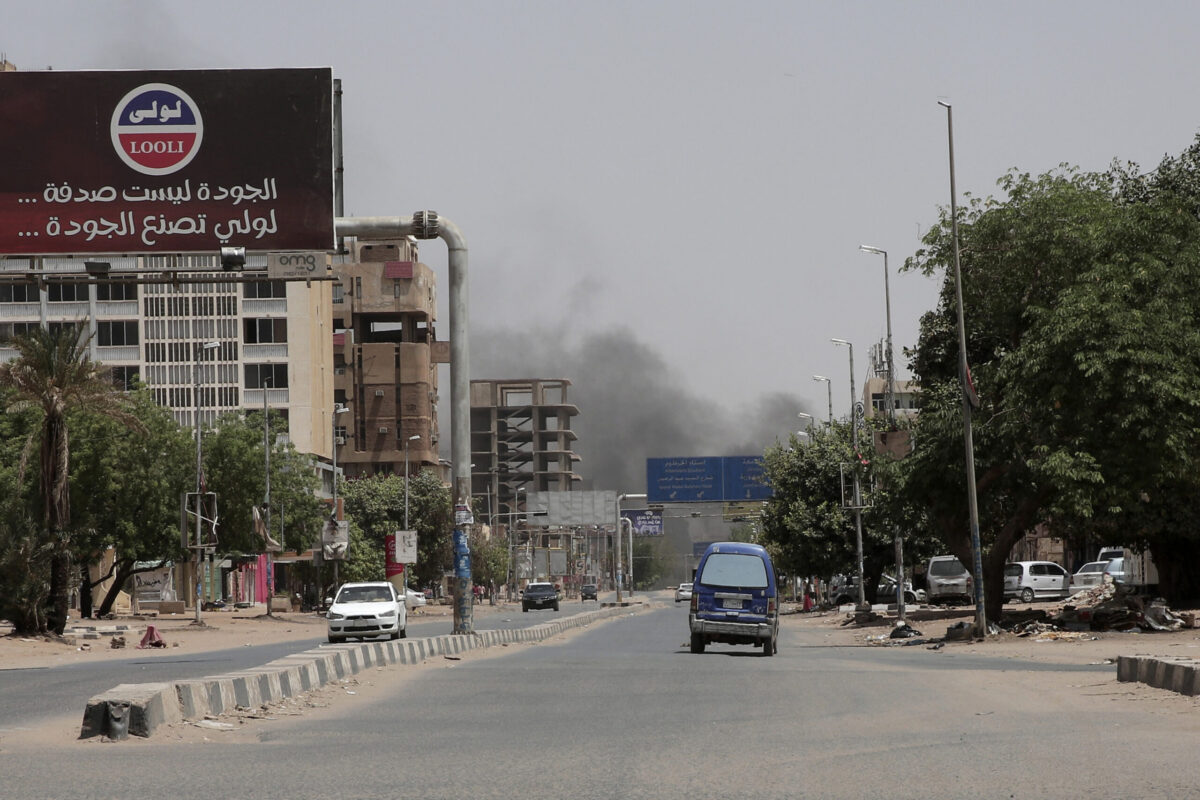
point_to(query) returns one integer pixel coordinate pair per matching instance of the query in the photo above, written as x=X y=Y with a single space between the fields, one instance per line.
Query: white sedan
x=414 y=599
x=683 y=592
x=362 y=610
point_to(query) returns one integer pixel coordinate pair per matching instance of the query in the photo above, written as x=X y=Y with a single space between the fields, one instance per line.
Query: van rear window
x=734 y=570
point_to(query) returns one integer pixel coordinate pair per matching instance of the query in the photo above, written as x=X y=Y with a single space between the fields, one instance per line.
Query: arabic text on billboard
x=645 y=522
x=166 y=160
x=705 y=480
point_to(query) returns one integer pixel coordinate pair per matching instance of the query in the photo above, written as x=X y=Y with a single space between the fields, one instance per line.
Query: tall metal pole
x=889 y=392
x=968 y=440
x=829 y=392
x=406 y=474
x=862 y=597
x=617 y=558
x=199 y=473
x=333 y=516
x=267 y=495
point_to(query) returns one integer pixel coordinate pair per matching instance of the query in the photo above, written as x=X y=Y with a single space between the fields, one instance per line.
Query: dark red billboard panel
x=166 y=161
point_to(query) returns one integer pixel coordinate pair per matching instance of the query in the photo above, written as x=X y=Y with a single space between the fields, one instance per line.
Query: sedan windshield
x=364 y=594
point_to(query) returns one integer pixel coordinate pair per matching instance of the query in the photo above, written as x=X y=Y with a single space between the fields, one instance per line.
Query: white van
x=947 y=580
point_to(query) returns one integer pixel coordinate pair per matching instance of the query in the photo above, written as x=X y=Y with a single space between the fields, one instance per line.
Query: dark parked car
x=539 y=595
x=588 y=592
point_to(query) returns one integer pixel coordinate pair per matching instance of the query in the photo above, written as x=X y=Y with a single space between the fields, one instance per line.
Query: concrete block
x=192 y=697
x=1127 y=668
x=150 y=705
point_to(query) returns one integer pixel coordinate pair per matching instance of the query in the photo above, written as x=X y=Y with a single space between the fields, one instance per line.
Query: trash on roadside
x=151 y=638
x=904 y=631
x=117 y=642
x=961 y=631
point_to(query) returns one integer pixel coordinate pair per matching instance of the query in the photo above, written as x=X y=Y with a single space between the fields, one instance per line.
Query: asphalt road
x=29 y=696
x=623 y=710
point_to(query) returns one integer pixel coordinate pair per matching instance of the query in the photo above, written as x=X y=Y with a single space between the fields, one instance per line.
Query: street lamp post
x=267 y=494
x=889 y=392
x=199 y=472
x=862 y=597
x=968 y=440
x=333 y=515
x=829 y=392
x=412 y=438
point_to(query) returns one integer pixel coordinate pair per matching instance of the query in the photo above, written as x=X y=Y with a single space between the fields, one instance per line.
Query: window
x=260 y=375
x=265 y=331
x=735 y=569
x=18 y=293
x=339 y=293
x=116 y=332
x=68 y=292
x=9 y=330
x=124 y=377
x=264 y=290
x=116 y=291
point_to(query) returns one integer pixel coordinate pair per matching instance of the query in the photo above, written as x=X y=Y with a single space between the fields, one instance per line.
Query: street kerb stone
x=150 y=705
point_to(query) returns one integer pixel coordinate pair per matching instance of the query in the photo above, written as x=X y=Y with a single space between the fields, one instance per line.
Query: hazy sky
x=671 y=195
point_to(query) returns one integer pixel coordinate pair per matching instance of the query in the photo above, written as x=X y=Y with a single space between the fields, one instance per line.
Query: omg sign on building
x=171 y=160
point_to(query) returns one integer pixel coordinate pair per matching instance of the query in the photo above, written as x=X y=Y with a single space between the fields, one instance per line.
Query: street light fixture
x=862 y=597
x=889 y=393
x=829 y=392
x=412 y=438
x=199 y=470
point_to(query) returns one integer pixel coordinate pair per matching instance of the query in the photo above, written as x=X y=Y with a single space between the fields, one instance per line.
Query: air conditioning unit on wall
x=379 y=392
x=340 y=440
x=383 y=430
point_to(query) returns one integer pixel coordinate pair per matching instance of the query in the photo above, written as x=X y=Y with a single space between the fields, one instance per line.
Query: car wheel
x=909 y=597
x=335 y=639
x=394 y=636
x=525 y=609
x=697 y=643
x=1027 y=595
x=768 y=647
x=556 y=606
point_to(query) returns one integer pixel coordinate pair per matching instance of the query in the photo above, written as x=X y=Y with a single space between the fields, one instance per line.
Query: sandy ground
x=220 y=630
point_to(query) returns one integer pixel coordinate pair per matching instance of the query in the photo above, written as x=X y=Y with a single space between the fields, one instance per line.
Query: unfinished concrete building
x=521 y=440
x=385 y=357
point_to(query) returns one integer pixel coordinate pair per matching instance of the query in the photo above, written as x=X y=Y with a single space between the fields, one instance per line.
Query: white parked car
x=1089 y=576
x=1035 y=580
x=362 y=610
x=947 y=580
x=683 y=592
x=414 y=599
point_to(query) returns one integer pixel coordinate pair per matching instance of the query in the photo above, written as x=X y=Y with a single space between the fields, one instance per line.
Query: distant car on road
x=588 y=592
x=539 y=595
x=1089 y=576
x=683 y=592
x=362 y=610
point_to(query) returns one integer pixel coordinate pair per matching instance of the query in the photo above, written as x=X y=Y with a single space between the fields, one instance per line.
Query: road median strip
x=138 y=709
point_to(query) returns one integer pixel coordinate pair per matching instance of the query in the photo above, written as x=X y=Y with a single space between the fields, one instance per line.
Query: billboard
x=646 y=522
x=706 y=480
x=166 y=161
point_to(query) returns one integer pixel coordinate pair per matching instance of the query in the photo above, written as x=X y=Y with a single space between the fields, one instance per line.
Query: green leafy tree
x=489 y=560
x=650 y=562
x=807 y=528
x=24 y=551
x=126 y=492
x=1083 y=342
x=53 y=375
x=376 y=505
x=234 y=468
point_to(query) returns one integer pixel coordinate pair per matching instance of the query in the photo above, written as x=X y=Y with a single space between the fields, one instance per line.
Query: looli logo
x=157 y=129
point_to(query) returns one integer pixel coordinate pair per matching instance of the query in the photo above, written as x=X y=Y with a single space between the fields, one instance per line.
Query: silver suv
x=947 y=580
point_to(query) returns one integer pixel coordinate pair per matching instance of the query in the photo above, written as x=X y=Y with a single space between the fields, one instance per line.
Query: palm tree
x=54 y=374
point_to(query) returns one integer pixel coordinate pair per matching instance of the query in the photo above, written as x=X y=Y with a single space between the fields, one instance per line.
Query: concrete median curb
x=143 y=707
x=1180 y=675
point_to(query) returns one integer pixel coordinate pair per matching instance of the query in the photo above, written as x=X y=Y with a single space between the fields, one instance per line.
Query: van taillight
x=695 y=600
x=770 y=605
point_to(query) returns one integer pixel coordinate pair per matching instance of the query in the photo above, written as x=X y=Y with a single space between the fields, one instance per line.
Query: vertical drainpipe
x=427 y=225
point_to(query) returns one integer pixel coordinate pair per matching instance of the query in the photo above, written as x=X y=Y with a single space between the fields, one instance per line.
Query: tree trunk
x=85 y=592
x=60 y=588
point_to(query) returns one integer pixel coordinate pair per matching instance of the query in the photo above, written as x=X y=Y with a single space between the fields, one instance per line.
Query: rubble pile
x=1112 y=607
